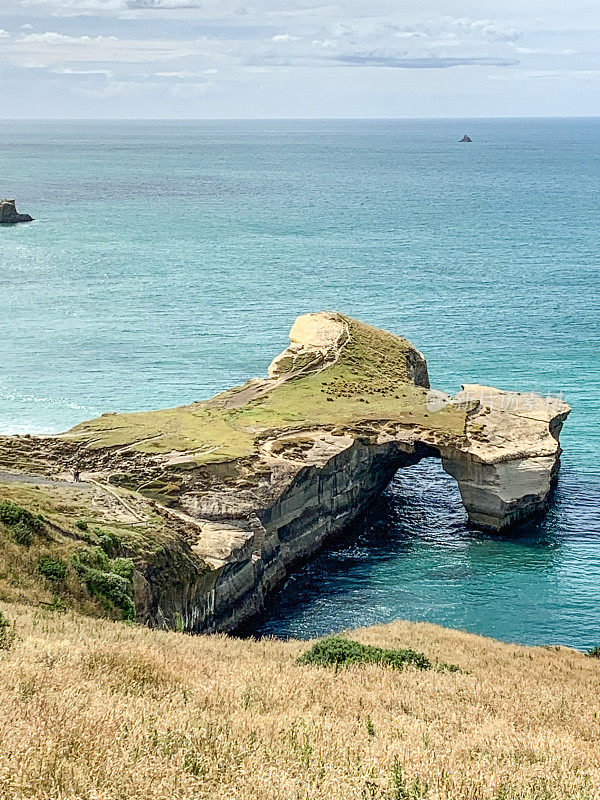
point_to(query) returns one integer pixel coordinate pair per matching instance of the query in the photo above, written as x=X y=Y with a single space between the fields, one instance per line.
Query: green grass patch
x=22 y=524
x=369 y=381
x=53 y=569
x=7 y=634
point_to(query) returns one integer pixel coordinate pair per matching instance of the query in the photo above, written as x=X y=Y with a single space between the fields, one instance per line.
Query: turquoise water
x=168 y=261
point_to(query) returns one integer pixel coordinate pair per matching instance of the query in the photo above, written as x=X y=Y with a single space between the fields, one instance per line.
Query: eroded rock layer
x=217 y=500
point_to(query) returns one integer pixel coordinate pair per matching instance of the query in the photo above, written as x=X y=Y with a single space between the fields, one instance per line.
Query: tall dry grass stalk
x=106 y=711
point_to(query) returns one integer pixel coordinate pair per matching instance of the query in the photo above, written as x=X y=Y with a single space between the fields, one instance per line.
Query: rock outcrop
x=466 y=138
x=250 y=482
x=9 y=214
x=509 y=459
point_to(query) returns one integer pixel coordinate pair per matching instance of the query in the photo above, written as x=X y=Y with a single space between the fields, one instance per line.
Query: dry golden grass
x=105 y=711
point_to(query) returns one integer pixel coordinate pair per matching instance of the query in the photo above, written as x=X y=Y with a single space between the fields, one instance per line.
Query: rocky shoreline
x=215 y=502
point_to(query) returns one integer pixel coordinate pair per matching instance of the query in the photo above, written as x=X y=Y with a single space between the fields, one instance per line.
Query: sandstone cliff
x=216 y=501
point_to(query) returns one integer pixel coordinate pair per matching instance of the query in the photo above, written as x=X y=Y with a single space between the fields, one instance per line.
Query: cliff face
x=239 y=488
x=255 y=554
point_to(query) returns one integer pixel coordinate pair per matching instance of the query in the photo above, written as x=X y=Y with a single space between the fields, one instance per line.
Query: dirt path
x=40 y=480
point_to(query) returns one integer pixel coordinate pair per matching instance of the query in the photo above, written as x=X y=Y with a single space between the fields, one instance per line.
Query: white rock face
x=511 y=454
x=314 y=339
x=251 y=553
x=320 y=330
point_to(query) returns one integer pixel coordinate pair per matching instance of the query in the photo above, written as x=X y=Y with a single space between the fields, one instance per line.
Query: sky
x=298 y=58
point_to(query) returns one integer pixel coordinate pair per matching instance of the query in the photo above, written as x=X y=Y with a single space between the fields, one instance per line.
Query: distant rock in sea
x=8 y=213
x=466 y=138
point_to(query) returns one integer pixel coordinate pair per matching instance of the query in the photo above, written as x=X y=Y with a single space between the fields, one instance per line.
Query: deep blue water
x=168 y=261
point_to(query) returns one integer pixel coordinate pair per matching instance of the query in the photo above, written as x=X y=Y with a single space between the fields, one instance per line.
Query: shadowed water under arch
x=413 y=556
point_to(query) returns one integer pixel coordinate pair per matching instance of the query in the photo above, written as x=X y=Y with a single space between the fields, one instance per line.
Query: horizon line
x=299 y=119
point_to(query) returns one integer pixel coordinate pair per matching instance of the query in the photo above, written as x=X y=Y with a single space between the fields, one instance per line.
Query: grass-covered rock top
x=365 y=374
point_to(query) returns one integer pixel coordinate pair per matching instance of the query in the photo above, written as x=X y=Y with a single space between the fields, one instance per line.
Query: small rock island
x=466 y=138
x=9 y=214
x=215 y=502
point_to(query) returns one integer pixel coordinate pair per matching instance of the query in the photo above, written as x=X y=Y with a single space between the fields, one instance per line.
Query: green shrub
x=53 y=569
x=109 y=580
x=57 y=603
x=23 y=525
x=443 y=667
x=123 y=567
x=7 y=635
x=22 y=534
x=94 y=558
x=337 y=651
x=114 y=588
x=594 y=652
x=108 y=541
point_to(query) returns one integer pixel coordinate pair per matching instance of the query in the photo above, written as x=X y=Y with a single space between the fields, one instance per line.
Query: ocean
x=168 y=261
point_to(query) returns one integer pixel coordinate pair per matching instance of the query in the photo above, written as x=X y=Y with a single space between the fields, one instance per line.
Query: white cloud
x=53 y=48
x=60 y=38
x=67 y=8
x=492 y=32
x=532 y=51
x=462 y=30
x=554 y=75
x=4 y=34
x=303 y=46
x=409 y=35
x=183 y=75
x=67 y=71
x=284 y=37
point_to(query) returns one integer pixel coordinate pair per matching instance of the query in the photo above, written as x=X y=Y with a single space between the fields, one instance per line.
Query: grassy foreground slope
x=105 y=710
